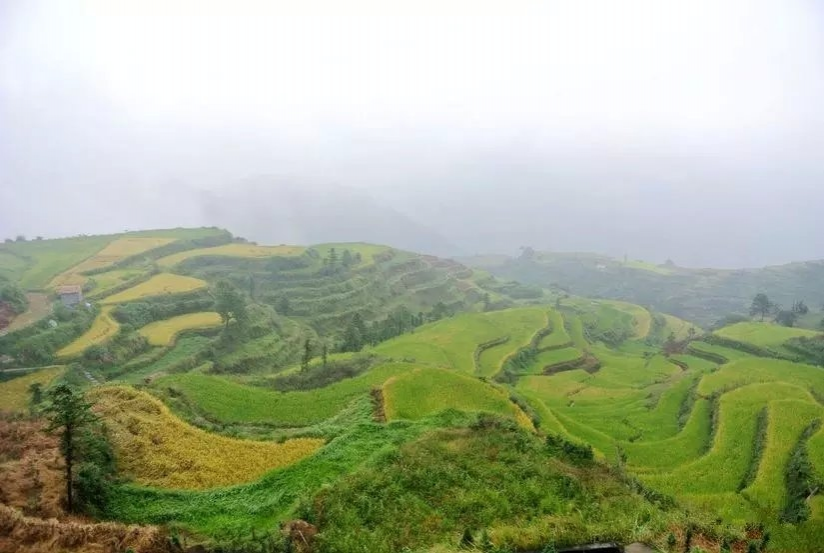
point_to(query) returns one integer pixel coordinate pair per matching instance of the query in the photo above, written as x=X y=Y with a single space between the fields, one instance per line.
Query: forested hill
x=700 y=295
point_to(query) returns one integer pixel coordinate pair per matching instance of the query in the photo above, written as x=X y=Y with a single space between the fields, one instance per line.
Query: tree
x=36 y=391
x=68 y=414
x=230 y=303
x=20 y=238
x=347 y=260
x=325 y=353
x=333 y=258
x=821 y=324
x=691 y=333
x=307 y=354
x=761 y=305
x=800 y=308
x=283 y=306
x=786 y=318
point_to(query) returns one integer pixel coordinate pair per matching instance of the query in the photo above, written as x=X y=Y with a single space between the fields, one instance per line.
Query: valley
x=384 y=400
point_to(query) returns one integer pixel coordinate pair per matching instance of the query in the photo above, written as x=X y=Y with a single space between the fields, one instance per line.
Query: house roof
x=73 y=289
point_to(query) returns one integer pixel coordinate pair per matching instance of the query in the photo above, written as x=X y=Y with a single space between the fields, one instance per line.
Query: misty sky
x=657 y=128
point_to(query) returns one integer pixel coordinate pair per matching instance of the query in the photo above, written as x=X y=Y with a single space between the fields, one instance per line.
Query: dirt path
x=39 y=307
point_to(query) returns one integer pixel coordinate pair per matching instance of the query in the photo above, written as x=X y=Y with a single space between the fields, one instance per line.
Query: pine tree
x=68 y=414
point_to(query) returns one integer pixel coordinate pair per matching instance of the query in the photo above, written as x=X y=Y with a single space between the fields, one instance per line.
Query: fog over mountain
x=690 y=131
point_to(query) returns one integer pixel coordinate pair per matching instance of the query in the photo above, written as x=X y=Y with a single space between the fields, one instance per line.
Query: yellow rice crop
x=158 y=285
x=103 y=328
x=163 y=333
x=14 y=394
x=232 y=250
x=115 y=251
x=158 y=449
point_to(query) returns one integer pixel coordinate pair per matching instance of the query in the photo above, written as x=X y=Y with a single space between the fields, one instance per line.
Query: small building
x=70 y=295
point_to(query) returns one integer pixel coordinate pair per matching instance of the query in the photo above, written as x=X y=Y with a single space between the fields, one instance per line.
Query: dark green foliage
x=307 y=355
x=70 y=416
x=36 y=344
x=13 y=297
x=357 y=334
x=728 y=320
x=786 y=318
x=761 y=306
x=140 y=313
x=319 y=375
x=811 y=350
x=800 y=479
x=757 y=449
x=230 y=304
x=579 y=454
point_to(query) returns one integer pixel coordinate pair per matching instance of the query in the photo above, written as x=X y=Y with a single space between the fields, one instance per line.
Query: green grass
x=498 y=480
x=228 y=401
x=240 y=511
x=423 y=392
x=186 y=347
x=45 y=259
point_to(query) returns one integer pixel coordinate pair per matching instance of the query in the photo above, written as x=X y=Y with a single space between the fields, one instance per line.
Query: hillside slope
x=699 y=295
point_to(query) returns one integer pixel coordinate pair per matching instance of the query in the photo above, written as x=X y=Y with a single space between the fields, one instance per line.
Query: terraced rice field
x=104 y=282
x=157 y=449
x=114 y=252
x=230 y=401
x=163 y=333
x=766 y=335
x=453 y=343
x=231 y=250
x=103 y=329
x=159 y=285
x=679 y=327
x=688 y=429
x=15 y=394
x=423 y=392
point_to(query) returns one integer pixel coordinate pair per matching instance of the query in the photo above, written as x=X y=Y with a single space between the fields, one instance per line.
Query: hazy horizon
x=689 y=131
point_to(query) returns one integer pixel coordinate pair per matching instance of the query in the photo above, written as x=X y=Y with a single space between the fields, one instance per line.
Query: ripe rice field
x=114 y=252
x=163 y=333
x=159 y=285
x=102 y=330
x=232 y=250
x=157 y=449
x=15 y=394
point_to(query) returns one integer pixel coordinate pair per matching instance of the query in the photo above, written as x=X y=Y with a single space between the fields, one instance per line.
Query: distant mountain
x=699 y=295
x=277 y=210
